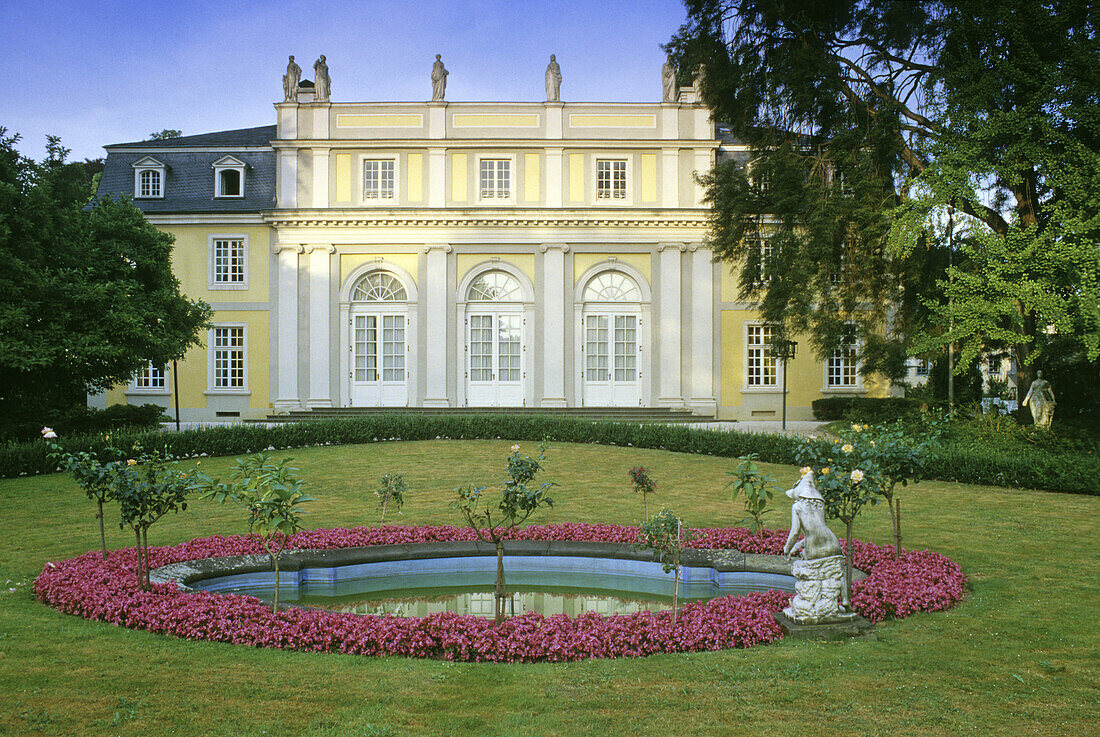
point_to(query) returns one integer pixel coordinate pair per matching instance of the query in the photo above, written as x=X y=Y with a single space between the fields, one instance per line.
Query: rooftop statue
x=290 y=81
x=439 y=79
x=1040 y=400
x=819 y=573
x=322 y=83
x=671 y=92
x=553 y=81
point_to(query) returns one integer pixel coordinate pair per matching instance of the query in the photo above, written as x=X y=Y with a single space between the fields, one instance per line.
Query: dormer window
x=229 y=177
x=148 y=178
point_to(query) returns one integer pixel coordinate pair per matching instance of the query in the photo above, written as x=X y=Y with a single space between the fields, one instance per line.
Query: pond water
x=546 y=584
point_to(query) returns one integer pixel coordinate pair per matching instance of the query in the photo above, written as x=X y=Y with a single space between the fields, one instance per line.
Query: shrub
x=81 y=420
x=872 y=410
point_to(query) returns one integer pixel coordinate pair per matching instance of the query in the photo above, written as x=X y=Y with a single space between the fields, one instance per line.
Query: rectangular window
x=841 y=365
x=149 y=183
x=151 y=377
x=378 y=179
x=994 y=365
x=595 y=349
x=610 y=179
x=229 y=358
x=495 y=179
x=760 y=364
x=229 y=261
x=626 y=347
x=923 y=367
x=765 y=252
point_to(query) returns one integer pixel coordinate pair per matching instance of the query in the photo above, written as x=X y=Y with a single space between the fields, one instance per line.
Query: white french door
x=494 y=350
x=611 y=360
x=378 y=349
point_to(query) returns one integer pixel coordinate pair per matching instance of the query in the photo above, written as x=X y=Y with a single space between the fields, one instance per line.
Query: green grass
x=1018 y=656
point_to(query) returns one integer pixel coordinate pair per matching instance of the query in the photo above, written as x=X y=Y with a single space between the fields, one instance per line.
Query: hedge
x=872 y=409
x=1070 y=473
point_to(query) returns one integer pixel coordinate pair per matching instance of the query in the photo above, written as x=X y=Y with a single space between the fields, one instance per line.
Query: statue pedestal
x=846 y=626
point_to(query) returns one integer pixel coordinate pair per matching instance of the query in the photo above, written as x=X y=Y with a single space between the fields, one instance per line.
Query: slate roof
x=189 y=177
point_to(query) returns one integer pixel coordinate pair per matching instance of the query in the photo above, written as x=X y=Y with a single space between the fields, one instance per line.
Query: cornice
x=528 y=219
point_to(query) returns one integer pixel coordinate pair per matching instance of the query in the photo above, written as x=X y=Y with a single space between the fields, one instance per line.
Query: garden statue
x=671 y=93
x=290 y=81
x=553 y=81
x=819 y=573
x=322 y=83
x=1040 y=400
x=439 y=79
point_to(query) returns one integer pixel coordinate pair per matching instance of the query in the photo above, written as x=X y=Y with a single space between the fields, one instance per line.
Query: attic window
x=229 y=177
x=148 y=178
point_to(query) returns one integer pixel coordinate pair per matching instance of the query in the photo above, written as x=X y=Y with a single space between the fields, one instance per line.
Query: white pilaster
x=702 y=332
x=288 y=178
x=554 y=120
x=703 y=159
x=670 y=176
x=553 y=325
x=553 y=177
x=669 y=393
x=670 y=121
x=320 y=120
x=320 y=388
x=435 y=308
x=437 y=120
x=437 y=189
x=288 y=120
x=320 y=176
x=286 y=325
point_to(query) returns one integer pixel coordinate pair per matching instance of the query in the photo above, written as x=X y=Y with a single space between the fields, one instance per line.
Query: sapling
x=517 y=503
x=665 y=536
x=391 y=489
x=91 y=474
x=642 y=482
x=755 y=487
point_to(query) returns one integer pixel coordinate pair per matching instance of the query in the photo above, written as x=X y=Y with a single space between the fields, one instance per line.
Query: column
x=668 y=326
x=553 y=177
x=553 y=325
x=702 y=332
x=435 y=312
x=286 y=327
x=320 y=305
x=437 y=189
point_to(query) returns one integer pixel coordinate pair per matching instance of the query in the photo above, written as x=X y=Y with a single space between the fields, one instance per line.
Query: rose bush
x=91 y=587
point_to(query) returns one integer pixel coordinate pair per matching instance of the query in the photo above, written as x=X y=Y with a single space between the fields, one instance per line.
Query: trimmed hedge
x=872 y=410
x=1039 y=469
x=81 y=420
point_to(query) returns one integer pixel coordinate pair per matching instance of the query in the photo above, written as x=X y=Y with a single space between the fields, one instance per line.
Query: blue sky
x=97 y=73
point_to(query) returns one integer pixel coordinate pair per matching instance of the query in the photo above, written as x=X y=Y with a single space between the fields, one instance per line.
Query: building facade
x=454 y=254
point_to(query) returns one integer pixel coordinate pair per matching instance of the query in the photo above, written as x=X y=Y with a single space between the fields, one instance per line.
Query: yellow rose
x=847 y=448
x=856 y=428
x=857 y=475
x=804 y=470
x=825 y=470
x=131 y=462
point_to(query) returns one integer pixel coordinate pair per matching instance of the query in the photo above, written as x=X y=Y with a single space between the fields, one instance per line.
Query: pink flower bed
x=105 y=590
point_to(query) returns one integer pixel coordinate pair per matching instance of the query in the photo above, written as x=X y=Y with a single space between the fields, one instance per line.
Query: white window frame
x=628 y=193
x=857 y=386
x=149 y=164
x=746 y=387
x=510 y=198
x=136 y=387
x=764 y=249
x=211 y=272
x=211 y=355
x=379 y=201
x=228 y=163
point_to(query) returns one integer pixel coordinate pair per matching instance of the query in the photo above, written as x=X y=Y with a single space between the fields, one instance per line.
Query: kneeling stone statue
x=819 y=573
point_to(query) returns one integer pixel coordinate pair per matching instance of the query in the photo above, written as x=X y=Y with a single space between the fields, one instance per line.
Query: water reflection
x=481 y=604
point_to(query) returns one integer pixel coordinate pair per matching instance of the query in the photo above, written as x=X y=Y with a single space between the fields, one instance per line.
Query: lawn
x=1019 y=656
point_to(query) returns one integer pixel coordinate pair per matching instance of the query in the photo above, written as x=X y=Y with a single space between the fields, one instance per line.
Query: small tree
x=641 y=481
x=391 y=489
x=757 y=488
x=517 y=503
x=272 y=493
x=92 y=475
x=665 y=536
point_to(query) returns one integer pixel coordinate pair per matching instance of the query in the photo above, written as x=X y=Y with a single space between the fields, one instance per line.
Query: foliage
x=641 y=481
x=165 y=134
x=757 y=489
x=92 y=475
x=81 y=419
x=391 y=490
x=968 y=380
x=665 y=537
x=870 y=409
x=63 y=264
x=517 y=503
x=271 y=492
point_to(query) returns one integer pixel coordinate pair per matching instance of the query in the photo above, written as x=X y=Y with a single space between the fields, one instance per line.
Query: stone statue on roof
x=553 y=80
x=439 y=79
x=321 y=81
x=671 y=91
x=290 y=81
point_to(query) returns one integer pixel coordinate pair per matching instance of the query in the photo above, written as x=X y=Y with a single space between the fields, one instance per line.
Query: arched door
x=378 y=350
x=611 y=330
x=494 y=341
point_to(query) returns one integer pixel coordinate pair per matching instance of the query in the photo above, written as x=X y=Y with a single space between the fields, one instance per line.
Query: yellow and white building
x=458 y=254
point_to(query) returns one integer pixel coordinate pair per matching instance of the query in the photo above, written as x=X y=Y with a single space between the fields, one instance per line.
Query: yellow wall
x=458 y=177
x=191 y=261
x=349 y=262
x=576 y=177
x=640 y=261
x=415 y=177
x=525 y=262
x=648 y=178
x=531 y=177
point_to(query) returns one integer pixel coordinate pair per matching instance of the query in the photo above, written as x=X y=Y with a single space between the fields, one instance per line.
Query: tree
x=643 y=483
x=865 y=120
x=665 y=537
x=165 y=135
x=391 y=490
x=517 y=504
x=87 y=297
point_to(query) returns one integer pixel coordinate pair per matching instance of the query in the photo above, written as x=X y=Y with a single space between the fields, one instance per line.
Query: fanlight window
x=495 y=286
x=379 y=286
x=611 y=286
